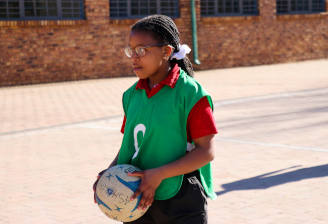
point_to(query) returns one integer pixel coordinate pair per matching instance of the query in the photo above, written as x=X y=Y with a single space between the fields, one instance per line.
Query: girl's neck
x=159 y=77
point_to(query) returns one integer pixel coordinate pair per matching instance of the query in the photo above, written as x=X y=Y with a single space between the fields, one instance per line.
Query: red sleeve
x=201 y=120
x=123 y=125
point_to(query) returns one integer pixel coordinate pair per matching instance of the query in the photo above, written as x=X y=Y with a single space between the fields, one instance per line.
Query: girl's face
x=152 y=64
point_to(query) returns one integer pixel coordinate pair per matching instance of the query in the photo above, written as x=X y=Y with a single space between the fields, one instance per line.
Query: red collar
x=170 y=80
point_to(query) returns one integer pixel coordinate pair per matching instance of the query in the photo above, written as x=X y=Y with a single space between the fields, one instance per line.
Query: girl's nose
x=134 y=56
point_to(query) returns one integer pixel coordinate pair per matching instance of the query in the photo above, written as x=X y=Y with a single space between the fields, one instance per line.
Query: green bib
x=155 y=131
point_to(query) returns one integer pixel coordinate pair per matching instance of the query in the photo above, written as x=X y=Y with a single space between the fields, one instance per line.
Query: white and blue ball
x=113 y=193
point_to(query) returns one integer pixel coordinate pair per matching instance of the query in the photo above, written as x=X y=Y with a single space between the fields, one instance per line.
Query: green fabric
x=155 y=131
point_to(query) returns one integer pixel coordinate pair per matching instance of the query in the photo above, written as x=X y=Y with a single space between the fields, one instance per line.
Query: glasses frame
x=156 y=45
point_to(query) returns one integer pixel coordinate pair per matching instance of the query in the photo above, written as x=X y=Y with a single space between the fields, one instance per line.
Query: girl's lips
x=137 y=69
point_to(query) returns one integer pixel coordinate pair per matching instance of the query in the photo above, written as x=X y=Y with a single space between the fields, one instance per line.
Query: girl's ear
x=168 y=50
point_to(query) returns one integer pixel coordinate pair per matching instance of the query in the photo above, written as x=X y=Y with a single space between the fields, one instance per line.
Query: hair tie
x=184 y=50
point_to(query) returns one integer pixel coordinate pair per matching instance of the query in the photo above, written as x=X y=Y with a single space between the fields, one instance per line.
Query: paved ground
x=272 y=146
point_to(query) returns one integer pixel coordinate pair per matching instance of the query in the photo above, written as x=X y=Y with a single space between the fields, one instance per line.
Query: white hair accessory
x=184 y=49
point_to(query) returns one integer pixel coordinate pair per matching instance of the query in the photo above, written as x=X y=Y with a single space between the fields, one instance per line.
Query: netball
x=113 y=193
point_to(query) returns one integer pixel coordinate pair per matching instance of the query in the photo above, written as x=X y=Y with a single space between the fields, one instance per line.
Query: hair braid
x=164 y=30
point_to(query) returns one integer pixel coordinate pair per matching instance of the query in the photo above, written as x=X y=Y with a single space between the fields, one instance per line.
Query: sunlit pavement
x=272 y=146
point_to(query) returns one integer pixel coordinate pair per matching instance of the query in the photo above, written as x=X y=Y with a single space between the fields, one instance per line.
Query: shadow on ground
x=273 y=179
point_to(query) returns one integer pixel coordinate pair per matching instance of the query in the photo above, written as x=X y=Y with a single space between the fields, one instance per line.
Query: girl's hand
x=150 y=180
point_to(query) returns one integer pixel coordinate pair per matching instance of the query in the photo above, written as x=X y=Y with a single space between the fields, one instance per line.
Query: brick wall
x=264 y=39
x=52 y=51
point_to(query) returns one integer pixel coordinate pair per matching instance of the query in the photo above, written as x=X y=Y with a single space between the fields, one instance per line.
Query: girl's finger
x=151 y=202
x=136 y=194
x=100 y=174
x=142 y=202
x=136 y=174
x=145 y=206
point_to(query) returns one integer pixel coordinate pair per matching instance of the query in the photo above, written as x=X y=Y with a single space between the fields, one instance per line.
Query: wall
x=264 y=39
x=51 y=51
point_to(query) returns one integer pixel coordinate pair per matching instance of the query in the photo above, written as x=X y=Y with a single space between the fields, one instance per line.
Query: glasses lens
x=140 y=51
x=128 y=51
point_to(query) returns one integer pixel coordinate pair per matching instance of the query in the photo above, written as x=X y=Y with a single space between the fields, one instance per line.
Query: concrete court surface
x=272 y=146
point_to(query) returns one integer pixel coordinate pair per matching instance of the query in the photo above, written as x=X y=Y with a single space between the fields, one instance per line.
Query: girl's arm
x=114 y=163
x=202 y=154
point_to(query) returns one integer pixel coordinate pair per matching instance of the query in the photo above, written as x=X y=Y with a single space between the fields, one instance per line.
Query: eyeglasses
x=140 y=51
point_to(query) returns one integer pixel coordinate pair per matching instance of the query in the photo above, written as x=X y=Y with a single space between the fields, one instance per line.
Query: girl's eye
x=140 y=51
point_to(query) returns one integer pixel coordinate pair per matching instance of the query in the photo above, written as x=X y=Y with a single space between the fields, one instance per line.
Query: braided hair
x=163 y=29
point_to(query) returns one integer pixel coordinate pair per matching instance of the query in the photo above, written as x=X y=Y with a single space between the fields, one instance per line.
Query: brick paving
x=272 y=149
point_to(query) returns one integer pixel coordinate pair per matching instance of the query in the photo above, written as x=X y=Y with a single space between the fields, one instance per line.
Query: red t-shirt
x=200 y=120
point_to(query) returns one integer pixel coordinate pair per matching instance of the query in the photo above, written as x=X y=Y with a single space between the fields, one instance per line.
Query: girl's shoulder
x=190 y=90
x=130 y=90
x=127 y=96
x=188 y=83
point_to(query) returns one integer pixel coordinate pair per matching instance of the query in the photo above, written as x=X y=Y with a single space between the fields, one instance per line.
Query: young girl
x=168 y=127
